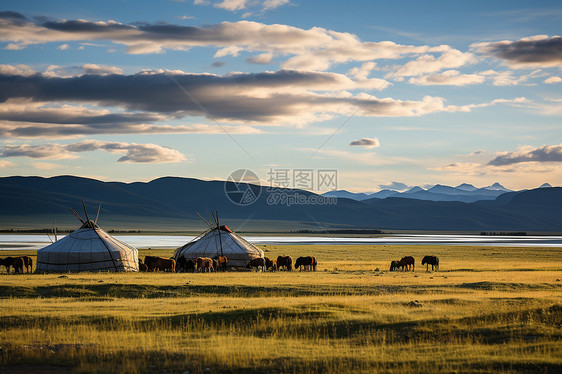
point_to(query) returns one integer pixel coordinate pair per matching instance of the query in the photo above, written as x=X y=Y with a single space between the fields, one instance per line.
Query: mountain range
x=464 y=192
x=157 y=202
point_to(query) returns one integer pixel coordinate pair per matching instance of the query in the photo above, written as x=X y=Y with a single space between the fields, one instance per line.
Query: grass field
x=488 y=309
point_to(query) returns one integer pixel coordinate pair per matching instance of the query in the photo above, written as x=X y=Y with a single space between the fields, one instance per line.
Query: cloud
x=5 y=164
x=553 y=80
x=366 y=143
x=133 y=153
x=101 y=69
x=449 y=58
x=449 y=78
x=545 y=153
x=396 y=186
x=264 y=58
x=536 y=51
x=236 y=5
x=63 y=47
x=218 y=64
x=46 y=165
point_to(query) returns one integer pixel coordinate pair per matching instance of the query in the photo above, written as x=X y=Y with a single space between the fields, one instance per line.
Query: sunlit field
x=486 y=310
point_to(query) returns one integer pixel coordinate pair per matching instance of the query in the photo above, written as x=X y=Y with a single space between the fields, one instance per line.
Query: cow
x=308 y=263
x=204 y=264
x=185 y=265
x=257 y=263
x=394 y=265
x=270 y=264
x=160 y=263
x=286 y=262
x=408 y=263
x=431 y=260
x=222 y=263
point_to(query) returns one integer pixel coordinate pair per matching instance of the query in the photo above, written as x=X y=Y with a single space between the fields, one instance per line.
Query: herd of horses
x=408 y=263
x=220 y=263
x=18 y=263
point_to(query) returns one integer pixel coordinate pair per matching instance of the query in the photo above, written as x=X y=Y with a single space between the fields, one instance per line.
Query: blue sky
x=412 y=92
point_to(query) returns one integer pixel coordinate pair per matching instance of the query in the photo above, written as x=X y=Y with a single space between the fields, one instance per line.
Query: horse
x=308 y=263
x=28 y=263
x=270 y=264
x=286 y=262
x=394 y=265
x=183 y=264
x=160 y=263
x=204 y=264
x=431 y=260
x=142 y=266
x=257 y=263
x=16 y=262
x=408 y=263
x=222 y=263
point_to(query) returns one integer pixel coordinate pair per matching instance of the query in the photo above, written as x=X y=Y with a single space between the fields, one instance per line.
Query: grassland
x=488 y=309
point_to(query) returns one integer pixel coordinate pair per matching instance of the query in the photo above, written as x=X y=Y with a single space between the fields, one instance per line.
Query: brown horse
x=222 y=263
x=142 y=266
x=408 y=263
x=16 y=262
x=308 y=263
x=394 y=265
x=28 y=263
x=204 y=264
x=270 y=264
x=185 y=265
x=286 y=262
x=431 y=260
x=160 y=263
x=257 y=263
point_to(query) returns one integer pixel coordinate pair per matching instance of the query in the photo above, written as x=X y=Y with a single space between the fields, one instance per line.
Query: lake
x=10 y=241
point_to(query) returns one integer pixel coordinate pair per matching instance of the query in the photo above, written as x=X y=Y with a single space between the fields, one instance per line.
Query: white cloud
x=553 y=80
x=63 y=47
x=449 y=77
x=133 y=153
x=101 y=69
x=449 y=58
x=5 y=164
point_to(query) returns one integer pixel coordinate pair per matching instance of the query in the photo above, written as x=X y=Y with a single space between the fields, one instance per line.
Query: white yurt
x=87 y=249
x=220 y=241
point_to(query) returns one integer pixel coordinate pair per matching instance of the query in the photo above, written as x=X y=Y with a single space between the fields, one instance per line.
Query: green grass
x=488 y=310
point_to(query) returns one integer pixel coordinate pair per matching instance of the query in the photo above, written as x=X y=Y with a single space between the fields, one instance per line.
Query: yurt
x=87 y=249
x=220 y=241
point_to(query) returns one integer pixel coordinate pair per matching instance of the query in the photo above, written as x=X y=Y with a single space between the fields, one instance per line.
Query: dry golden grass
x=487 y=310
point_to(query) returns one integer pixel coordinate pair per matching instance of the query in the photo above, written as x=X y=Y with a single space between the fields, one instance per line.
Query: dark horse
x=285 y=261
x=431 y=260
x=185 y=265
x=394 y=265
x=308 y=263
x=16 y=262
x=408 y=263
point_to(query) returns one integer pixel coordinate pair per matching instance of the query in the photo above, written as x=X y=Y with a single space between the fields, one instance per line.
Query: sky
x=389 y=94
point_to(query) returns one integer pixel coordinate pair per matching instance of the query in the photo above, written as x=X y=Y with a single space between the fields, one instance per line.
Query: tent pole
x=220 y=235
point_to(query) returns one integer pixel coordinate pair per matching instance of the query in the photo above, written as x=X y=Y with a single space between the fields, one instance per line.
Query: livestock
x=185 y=265
x=308 y=263
x=431 y=260
x=142 y=266
x=408 y=263
x=222 y=263
x=286 y=262
x=204 y=264
x=257 y=263
x=16 y=262
x=28 y=263
x=160 y=263
x=270 y=264
x=394 y=265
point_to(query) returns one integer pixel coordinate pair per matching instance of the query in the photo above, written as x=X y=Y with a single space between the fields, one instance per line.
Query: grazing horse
x=431 y=260
x=28 y=263
x=270 y=264
x=257 y=263
x=184 y=265
x=286 y=262
x=308 y=263
x=142 y=266
x=204 y=264
x=407 y=263
x=160 y=263
x=394 y=265
x=222 y=263
x=16 y=262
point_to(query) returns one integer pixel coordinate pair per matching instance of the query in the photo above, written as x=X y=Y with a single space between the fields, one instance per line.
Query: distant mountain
x=414 y=189
x=383 y=194
x=347 y=195
x=498 y=187
x=545 y=185
x=157 y=202
x=466 y=187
